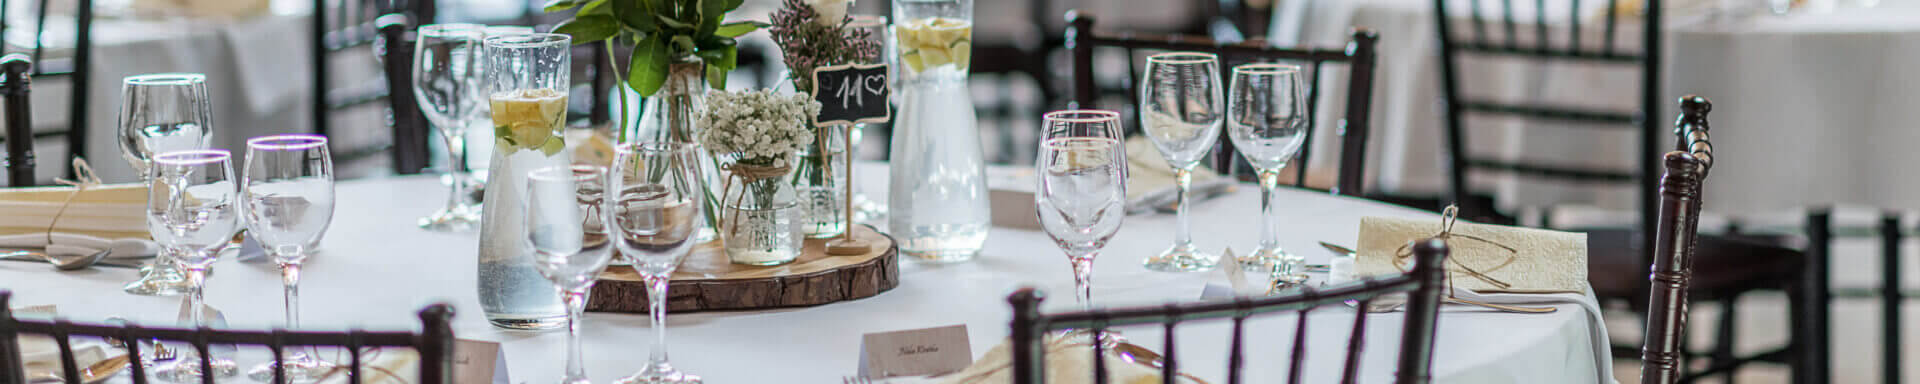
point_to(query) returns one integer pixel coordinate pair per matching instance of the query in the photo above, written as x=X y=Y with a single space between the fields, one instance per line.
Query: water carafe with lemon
x=937 y=200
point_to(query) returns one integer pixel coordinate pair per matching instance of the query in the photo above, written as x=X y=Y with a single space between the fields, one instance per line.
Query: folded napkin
x=1525 y=260
x=108 y=211
x=1148 y=174
x=1589 y=306
x=67 y=244
x=215 y=9
x=41 y=353
x=380 y=366
x=1069 y=361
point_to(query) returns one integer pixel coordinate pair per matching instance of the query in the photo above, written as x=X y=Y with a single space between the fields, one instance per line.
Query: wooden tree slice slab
x=706 y=281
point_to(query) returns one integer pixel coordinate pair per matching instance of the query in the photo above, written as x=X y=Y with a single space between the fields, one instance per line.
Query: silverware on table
x=1348 y=252
x=66 y=263
x=1338 y=250
x=98 y=372
x=855 y=380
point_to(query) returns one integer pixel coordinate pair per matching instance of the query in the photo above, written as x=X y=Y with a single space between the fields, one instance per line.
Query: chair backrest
x=13 y=92
x=74 y=68
x=1358 y=55
x=411 y=132
x=340 y=25
x=1679 y=220
x=1544 y=44
x=434 y=343
x=1424 y=286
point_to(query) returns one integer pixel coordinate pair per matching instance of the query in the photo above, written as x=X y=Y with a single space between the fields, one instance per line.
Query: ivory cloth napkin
x=1149 y=174
x=1543 y=261
x=41 y=353
x=1069 y=361
x=380 y=366
x=101 y=217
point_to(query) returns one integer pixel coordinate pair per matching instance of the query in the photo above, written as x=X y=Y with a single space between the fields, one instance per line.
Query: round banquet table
x=1809 y=106
x=376 y=269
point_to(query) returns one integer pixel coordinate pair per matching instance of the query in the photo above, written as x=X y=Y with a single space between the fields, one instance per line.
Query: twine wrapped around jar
x=747 y=173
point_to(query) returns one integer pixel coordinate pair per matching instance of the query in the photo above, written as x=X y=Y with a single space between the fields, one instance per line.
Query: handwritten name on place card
x=476 y=361
x=915 y=352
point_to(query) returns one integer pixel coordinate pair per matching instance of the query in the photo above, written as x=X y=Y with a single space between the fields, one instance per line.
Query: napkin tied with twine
x=1485 y=258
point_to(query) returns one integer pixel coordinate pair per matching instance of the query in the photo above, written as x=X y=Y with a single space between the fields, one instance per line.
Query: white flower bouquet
x=757 y=127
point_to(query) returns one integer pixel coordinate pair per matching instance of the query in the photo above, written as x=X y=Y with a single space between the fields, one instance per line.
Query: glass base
x=301 y=368
x=941 y=257
x=457 y=219
x=1182 y=258
x=659 y=373
x=186 y=369
x=1264 y=259
x=528 y=324
x=160 y=279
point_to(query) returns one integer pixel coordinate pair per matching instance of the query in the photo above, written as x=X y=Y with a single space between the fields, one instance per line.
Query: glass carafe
x=937 y=201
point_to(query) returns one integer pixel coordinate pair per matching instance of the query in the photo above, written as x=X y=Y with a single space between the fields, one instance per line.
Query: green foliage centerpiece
x=684 y=39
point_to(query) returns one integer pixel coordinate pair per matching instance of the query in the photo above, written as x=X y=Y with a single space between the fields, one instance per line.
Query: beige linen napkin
x=1543 y=261
x=41 y=353
x=110 y=211
x=1148 y=173
x=379 y=366
x=1069 y=361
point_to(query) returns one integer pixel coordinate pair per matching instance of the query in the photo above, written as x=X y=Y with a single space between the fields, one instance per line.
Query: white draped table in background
x=376 y=269
x=1812 y=107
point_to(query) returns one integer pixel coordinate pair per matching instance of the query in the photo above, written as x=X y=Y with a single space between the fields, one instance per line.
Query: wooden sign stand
x=854 y=85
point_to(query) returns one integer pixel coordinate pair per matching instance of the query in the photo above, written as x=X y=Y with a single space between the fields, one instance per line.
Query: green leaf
x=718 y=67
x=715 y=43
x=630 y=14
x=676 y=24
x=736 y=29
x=588 y=29
x=595 y=7
x=733 y=4
x=559 y=5
x=647 y=69
x=683 y=43
x=710 y=16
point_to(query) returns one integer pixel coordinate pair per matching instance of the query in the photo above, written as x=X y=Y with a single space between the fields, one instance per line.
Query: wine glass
x=1267 y=121
x=160 y=113
x=193 y=210
x=287 y=184
x=653 y=206
x=1180 y=107
x=565 y=232
x=1082 y=192
x=447 y=81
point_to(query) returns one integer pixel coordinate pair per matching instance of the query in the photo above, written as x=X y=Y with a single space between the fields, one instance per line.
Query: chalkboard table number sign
x=850 y=94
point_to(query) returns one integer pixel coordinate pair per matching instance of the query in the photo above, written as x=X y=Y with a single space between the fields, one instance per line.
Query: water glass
x=160 y=113
x=1267 y=120
x=193 y=210
x=287 y=184
x=1180 y=109
x=1082 y=191
x=653 y=205
x=569 y=242
x=447 y=81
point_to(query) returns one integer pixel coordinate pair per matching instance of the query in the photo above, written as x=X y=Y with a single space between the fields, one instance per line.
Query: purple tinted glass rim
x=287 y=142
x=193 y=157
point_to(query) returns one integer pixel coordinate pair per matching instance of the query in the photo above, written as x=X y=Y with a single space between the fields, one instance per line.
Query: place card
x=915 y=352
x=215 y=319
x=35 y=310
x=478 y=361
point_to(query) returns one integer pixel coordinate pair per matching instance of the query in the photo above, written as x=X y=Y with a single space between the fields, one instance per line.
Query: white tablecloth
x=376 y=269
x=1810 y=107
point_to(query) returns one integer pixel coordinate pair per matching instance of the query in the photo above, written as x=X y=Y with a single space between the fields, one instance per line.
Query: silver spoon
x=65 y=263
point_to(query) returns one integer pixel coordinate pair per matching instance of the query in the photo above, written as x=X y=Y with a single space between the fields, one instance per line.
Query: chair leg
x=1724 y=336
x=1810 y=315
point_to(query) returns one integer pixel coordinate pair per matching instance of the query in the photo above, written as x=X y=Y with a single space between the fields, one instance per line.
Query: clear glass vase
x=820 y=179
x=668 y=116
x=512 y=292
x=937 y=200
x=762 y=219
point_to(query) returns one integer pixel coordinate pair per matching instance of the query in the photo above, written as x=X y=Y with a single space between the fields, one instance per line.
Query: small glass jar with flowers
x=754 y=135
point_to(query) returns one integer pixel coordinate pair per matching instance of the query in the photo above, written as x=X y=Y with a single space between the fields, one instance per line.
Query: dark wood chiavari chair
x=1679 y=221
x=1358 y=56
x=434 y=343
x=73 y=68
x=13 y=91
x=1424 y=286
x=342 y=25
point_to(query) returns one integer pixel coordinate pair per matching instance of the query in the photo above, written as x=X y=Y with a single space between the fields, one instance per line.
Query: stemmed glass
x=160 y=113
x=1267 y=121
x=447 y=81
x=1082 y=191
x=287 y=184
x=1180 y=107
x=565 y=231
x=653 y=205
x=193 y=210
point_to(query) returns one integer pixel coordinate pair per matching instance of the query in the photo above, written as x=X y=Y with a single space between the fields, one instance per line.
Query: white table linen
x=376 y=268
x=1808 y=106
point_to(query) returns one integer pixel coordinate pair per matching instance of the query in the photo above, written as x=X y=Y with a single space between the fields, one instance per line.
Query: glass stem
x=290 y=279
x=576 y=310
x=455 y=148
x=1183 y=178
x=1083 y=278
x=657 y=310
x=1269 y=220
x=197 y=302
